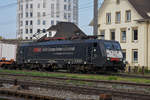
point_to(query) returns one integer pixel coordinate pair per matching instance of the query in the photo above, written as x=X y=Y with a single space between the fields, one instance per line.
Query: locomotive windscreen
x=113 y=50
x=112 y=45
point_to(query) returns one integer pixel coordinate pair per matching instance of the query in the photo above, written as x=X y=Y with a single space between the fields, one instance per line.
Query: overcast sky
x=8 y=17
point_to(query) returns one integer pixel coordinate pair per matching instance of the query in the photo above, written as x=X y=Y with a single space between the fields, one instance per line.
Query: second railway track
x=84 y=90
x=76 y=79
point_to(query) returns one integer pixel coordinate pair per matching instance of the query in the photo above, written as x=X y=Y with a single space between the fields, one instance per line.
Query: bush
x=145 y=70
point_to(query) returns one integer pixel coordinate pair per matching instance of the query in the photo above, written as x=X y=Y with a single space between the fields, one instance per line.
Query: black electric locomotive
x=73 y=55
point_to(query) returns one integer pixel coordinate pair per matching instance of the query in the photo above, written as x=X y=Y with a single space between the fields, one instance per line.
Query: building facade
x=127 y=21
x=35 y=16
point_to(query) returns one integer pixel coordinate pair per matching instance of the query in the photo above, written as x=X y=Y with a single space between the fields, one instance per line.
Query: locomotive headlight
x=108 y=58
x=84 y=62
x=94 y=50
x=28 y=60
x=124 y=61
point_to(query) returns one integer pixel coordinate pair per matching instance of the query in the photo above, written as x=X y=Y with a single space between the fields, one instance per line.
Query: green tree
x=1 y=37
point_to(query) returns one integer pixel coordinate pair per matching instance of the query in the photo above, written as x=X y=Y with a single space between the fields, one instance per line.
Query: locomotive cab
x=113 y=51
x=114 y=56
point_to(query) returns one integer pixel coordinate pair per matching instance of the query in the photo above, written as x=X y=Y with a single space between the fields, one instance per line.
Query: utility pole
x=95 y=25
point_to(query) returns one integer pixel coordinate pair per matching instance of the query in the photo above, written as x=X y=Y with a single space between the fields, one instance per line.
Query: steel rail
x=83 y=90
x=84 y=80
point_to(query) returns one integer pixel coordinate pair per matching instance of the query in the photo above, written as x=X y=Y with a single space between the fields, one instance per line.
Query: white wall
x=110 y=6
x=8 y=51
x=48 y=10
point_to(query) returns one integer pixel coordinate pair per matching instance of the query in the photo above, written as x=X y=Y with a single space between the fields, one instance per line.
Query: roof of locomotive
x=65 y=42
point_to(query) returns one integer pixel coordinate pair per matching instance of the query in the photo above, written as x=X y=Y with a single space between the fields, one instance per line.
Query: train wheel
x=50 y=68
x=70 y=68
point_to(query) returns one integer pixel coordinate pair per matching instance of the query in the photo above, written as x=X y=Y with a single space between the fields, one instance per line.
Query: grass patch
x=78 y=76
x=111 y=78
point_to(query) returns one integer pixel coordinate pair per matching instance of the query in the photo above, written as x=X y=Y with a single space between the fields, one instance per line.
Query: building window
x=31 y=14
x=118 y=17
x=26 y=14
x=26 y=38
x=44 y=13
x=108 y=18
x=26 y=22
x=135 y=55
x=124 y=54
x=31 y=22
x=44 y=30
x=135 y=34
x=52 y=22
x=21 y=7
x=57 y=14
x=26 y=6
x=38 y=6
x=26 y=31
x=38 y=14
x=69 y=7
x=44 y=22
x=118 y=1
x=38 y=22
x=31 y=31
x=21 y=23
x=44 y=5
x=65 y=7
x=31 y=6
x=38 y=30
x=21 y=15
x=21 y=31
x=52 y=10
x=112 y=34
x=102 y=33
x=123 y=35
x=128 y=16
x=69 y=17
x=65 y=15
x=50 y=34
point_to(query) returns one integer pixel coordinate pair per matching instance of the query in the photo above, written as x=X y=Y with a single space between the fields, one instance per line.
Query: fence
x=137 y=69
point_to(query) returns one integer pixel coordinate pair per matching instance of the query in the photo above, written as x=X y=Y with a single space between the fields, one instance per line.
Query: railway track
x=83 y=80
x=105 y=74
x=130 y=75
x=118 y=74
x=83 y=90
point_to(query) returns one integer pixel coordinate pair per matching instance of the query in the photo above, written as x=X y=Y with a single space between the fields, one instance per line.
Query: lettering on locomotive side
x=78 y=60
x=54 y=49
x=51 y=61
x=37 y=50
x=64 y=53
